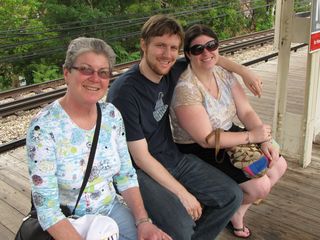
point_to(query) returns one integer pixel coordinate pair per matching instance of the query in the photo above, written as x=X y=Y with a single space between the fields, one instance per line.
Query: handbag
x=30 y=228
x=250 y=159
x=247 y=157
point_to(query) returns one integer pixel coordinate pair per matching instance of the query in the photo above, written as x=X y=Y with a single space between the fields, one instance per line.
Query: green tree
x=35 y=33
x=260 y=15
x=20 y=28
x=45 y=72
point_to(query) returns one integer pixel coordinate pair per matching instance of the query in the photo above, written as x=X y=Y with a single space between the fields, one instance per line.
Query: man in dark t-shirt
x=144 y=106
x=186 y=197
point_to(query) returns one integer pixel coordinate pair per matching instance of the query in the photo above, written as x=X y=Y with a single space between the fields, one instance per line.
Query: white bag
x=96 y=227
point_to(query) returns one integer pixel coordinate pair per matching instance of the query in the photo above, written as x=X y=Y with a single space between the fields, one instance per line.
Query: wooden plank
x=9 y=217
x=16 y=181
x=286 y=199
x=309 y=175
x=5 y=233
x=7 y=161
x=300 y=225
x=14 y=198
x=14 y=192
x=306 y=179
x=315 y=164
x=270 y=228
x=20 y=154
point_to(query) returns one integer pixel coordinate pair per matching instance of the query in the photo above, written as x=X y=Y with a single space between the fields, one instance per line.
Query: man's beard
x=156 y=69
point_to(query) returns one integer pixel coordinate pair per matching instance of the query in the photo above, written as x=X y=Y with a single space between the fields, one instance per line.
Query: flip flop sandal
x=241 y=230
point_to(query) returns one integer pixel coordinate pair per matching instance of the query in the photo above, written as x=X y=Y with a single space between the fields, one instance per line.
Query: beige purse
x=247 y=157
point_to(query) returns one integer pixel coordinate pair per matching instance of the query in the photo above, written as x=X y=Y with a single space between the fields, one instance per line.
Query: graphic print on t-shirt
x=160 y=108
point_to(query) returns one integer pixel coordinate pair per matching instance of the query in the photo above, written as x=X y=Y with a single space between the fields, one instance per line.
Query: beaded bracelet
x=143 y=220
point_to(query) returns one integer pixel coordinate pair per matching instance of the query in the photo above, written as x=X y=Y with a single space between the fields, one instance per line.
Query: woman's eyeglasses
x=88 y=71
x=199 y=48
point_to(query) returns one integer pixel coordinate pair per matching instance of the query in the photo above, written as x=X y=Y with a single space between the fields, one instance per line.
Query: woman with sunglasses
x=208 y=97
x=59 y=140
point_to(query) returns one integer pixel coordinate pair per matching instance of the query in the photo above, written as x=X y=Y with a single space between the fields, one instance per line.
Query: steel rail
x=37 y=88
x=248 y=36
x=13 y=93
x=30 y=102
x=249 y=43
x=12 y=145
x=35 y=101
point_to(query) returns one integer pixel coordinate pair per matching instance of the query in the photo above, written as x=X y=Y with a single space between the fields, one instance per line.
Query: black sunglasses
x=199 y=48
x=88 y=71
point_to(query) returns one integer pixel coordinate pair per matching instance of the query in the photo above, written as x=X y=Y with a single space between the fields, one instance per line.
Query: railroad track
x=235 y=44
x=17 y=93
x=44 y=98
x=8 y=98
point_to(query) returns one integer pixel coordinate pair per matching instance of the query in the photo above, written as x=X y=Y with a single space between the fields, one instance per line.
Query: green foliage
x=60 y=14
x=123 y=55
x=262 y=17
x=143 y=8
x=302 y=6
x=6 y=76
x=35 y=34
x=227 y=20
x=45 y=72
x=18 y=23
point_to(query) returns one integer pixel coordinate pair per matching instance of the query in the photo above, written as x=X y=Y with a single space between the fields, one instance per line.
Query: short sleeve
x=126 y=103
x=186 y=92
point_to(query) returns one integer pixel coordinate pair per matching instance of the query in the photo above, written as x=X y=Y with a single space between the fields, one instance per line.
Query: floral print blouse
x=58 y=151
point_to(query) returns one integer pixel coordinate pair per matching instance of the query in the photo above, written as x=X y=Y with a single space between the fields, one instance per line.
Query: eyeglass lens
x=88 y=71
x=199 y=48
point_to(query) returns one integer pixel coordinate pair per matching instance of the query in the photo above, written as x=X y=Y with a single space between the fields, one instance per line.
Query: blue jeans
x=219 y=194
x=122 y=215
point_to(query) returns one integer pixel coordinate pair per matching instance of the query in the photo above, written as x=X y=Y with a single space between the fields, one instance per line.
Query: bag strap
x=91 y=156
x=216 y=133
x=217 y=142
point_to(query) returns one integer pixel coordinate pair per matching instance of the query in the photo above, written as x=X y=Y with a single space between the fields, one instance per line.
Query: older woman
x=58 y=145
x=208 y=97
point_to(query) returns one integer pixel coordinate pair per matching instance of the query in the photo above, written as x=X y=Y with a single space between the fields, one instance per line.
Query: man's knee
x=235 y=195
x=181 y=228
x=238 y=195
x=165 y=209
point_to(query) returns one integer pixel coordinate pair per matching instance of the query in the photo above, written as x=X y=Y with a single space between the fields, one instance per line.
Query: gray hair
x=83 y=44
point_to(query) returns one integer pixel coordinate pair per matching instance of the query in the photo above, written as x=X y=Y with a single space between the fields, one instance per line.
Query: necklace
x=210 y=83
x=208 y=86
x=218 y=95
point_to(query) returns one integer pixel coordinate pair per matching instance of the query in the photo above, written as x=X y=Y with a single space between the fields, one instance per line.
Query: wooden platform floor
x=291 y=211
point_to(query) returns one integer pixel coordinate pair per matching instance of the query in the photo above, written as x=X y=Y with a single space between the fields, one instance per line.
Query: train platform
x=291 y=211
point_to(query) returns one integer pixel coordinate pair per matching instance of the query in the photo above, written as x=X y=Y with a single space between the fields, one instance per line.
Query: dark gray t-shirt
x=144 y=106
